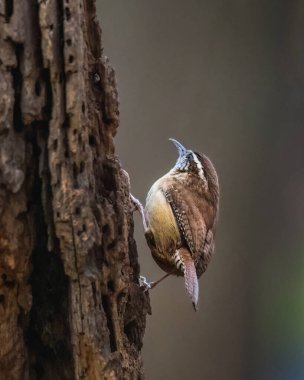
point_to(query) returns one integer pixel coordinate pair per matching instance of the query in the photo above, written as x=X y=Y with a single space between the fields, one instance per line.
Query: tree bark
x=70 y=303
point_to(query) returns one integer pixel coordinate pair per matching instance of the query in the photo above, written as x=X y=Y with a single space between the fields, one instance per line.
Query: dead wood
x=70 y=304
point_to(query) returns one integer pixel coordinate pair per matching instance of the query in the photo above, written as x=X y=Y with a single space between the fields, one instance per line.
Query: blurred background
x=225 y=78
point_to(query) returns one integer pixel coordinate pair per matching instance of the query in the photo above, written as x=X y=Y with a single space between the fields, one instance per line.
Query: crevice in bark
x=63 y=75
x=77 y=273
x=9 y=9
x=48 y=331
x=47 y=108
x=107 y=309
x=17 y=83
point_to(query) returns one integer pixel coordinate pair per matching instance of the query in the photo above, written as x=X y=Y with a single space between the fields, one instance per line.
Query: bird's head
x=196 y=164
x=188 y=161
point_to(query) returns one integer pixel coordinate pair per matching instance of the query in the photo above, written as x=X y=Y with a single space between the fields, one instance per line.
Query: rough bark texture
x=70 y=304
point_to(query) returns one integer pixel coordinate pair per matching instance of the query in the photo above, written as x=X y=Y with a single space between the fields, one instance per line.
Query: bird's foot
x=144 y=284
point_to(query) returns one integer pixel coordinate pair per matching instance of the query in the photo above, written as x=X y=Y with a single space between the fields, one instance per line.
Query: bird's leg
x=143 y=283
x=154 y=283
x=139 y=207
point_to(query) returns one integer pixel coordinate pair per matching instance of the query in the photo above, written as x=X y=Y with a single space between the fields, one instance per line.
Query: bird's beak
x=181 y=149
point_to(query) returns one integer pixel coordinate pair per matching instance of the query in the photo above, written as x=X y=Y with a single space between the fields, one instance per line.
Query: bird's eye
x=189 y=156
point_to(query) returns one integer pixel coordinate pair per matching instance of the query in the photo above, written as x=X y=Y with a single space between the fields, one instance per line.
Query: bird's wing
x=204 y=258
x=190 y=221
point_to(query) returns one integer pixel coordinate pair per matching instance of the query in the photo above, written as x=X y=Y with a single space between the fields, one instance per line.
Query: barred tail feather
x=191 y=281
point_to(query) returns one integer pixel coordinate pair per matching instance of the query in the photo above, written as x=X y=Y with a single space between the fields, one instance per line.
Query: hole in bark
x=109 y=178
x=17 y=81
x=107 y=309
x=48 y=332
x=2 y=298
x=105 y=229
x=69 y=42
x=111 y=286
x=66 y=123
x=120 y=297
x=9 y=9
x=4 y=132
x=130 y=331
x=111 y=245
x=83 y=107
x=51 y=27
x=82 y=166
x=67 y=13
x=37 y=88
x=58 y=214
x=75 y=171
x=55 y=144
x=71 y=58
x=84 y=227
x=7 y=282
x=94 y=293
x=92 y=140
x=66 y=126
x=77 y=211
x=48 y=108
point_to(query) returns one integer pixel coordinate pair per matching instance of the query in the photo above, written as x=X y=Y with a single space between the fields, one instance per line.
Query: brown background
x=225 y=78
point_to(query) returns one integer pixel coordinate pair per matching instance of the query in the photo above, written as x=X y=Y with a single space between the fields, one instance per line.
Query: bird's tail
x=190 y=276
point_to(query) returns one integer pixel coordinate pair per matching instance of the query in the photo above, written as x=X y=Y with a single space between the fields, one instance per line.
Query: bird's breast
x=162 y=224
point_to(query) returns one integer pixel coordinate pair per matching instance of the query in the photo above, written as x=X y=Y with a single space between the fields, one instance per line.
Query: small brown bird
x=180 y=218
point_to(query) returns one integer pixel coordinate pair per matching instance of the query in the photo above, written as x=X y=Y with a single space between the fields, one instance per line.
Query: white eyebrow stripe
x=199 y=167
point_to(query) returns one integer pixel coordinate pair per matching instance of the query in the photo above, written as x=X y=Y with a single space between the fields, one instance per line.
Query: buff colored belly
x=162 y=224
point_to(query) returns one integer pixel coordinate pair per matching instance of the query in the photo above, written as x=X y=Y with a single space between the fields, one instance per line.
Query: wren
x=180 y=218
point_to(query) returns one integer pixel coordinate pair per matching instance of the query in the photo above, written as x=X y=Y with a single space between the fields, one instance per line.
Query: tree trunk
x=70 y=303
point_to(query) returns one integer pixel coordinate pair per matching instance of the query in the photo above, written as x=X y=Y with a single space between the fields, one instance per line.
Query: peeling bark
x=70 y=304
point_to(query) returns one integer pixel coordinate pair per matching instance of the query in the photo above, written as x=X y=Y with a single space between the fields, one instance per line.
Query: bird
x=180 y=218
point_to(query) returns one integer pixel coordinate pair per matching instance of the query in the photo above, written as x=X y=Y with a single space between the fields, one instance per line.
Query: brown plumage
x=181 y=212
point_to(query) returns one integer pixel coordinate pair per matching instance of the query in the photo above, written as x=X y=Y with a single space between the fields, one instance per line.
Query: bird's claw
x=144 y=284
